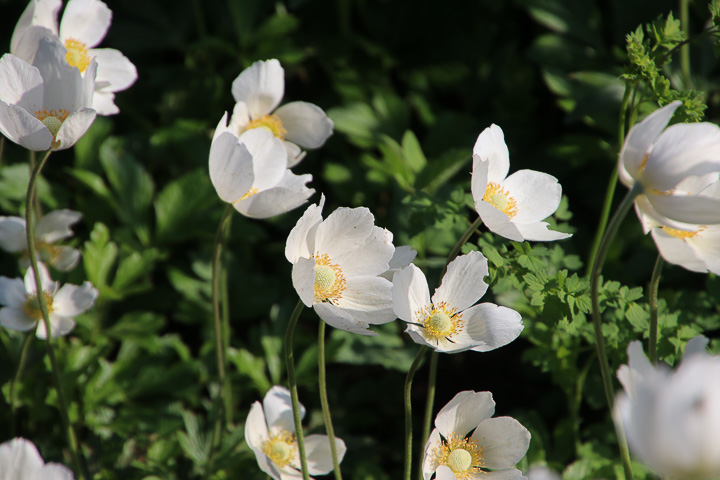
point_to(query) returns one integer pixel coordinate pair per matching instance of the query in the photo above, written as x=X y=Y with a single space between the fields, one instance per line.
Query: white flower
x=20 y=460
x=251 y=173
x=467 y=444
x=47 y=104
x=512 y=207
x=450 y=323
x=50 y=228
x=403 y=256
x=22 y=310
x=696 y=247
x=542 y=472
x=270 y=433
x=83 y=26
x=659 y=159
x=336 y=267
x=672 y=419
x=258 y=91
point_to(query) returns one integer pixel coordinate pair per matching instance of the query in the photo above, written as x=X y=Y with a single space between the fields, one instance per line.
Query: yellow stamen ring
x=500 y=198
x=440 y=322
x=31 y=307
x=77 y=54
x=268 y=122
x=329 y=280
x=53 y=120
x=280 y=448
x=463 y=456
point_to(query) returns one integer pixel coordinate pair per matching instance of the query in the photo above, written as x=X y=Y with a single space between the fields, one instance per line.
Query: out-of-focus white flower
x=251 y=173
x=22 y=310
x=83 y=26
x=270 y=433
x=663 y=161
x=672 y=419
x=403 y=256
x=47 y=104
x=467 y=444
x=450 y=323
x=542 y=472
x=258 y=91
x=20 y=460
x=50 y=228
x=514 y=206
x=336 y=267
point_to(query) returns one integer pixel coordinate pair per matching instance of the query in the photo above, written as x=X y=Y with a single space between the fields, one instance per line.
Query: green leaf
x=638 y=317
x=131 y=269
x=99 y=257
x=252 y=367
x=181 y=207
x=412 y=152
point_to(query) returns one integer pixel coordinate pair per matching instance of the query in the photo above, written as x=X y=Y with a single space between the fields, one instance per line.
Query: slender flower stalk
x=327 y=418
x=652 y=301
x=79 y=466
x=408 y=411
x=429 y=403
x=18 y=375
x=292 y=384
x=685 y=49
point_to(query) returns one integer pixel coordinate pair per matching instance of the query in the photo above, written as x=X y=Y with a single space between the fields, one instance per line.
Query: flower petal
x=65 y=258
x=278 y=409
x=368 y=300
x=56 y=225
x=507 y=474
x=14 y=318
x=47 y=283
x=20 y=83
x=295 y=154
x=114 y=72
x=231 y=168
x=497 y=222
x=75 y=127
x=55 y=471
x=85 y=20
x=256 y=431
x=72 y=300
x=464 y=412
x=12 y=292
x=504 y=441
x=697 y=209
x=444 y=473
x=301 y=240
x=260 y=86
x=24 y=129
x=339 y=318
x=319 y=456
x=104 y=103
x=371 y=258
x=306 y=124
x=58 y=325
x=19 y=459
x=42 y=13
x=707 y=247
x=490 y=147
x=344 y=230
x=303 y=278
x=62 y=83
x=290 y=193
x=677 y=251
x=463 y=283
x=30 y=41
x=410 y=293
x=489 y=326
x=537 y=195
x=268 y=156
x=539 y=232
x=12 y=234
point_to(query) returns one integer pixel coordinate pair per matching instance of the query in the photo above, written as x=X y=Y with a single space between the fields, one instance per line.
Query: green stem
x=16 y=380
x=290 y=365
x=652 y=300
x=324 y=401
x=79 y=466
x=408 y=411
x=456 y=249
x=685 y=49
x=226 y=330
x=224 y=392
x=612 y=229
x=429 y=402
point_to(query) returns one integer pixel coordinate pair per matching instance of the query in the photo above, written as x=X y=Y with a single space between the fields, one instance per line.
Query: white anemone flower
x=449 y=322
x=83 y=26
x=337 y=264
x=251 y=173
x=694 y=247
x=258 y=91
x=20 y=460
x=403 y=256
x=514 y=206
x=659 y=159
x=22 y=310
x=467 y=444
x=672 y=419
x=47 y=104
x=270 y=433
x=50 y=228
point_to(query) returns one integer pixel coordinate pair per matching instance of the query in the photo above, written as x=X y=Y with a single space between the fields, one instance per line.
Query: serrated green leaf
x=99 y=258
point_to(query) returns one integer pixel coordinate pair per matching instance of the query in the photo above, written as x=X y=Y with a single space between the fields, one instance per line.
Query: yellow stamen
x=329 y=280
x=280 y=448
x=31 y=307
x=77 y=54
x=268 y=122
x=499 y=198
x=463 y=456
x=440 y=322
x=247 y=194
x=53 y=120
x=683 y=234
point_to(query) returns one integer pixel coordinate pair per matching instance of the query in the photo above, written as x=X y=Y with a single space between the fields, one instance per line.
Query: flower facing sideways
x=270 y=433
x=47 y=104
x=513 y=206
x=258 y=91
x=22 y=310
x=50 y=228
x=337 y=263
x=449 y=322
x=20 y=460
x=467 y=444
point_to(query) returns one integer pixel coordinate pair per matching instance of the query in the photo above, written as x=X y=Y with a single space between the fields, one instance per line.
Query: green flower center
x=53 y=124
x=32 y=305
x=459 y=460
x=440 y=324
x=324 y=278
x=500 y=198
x=280 y=448
x=329 y=280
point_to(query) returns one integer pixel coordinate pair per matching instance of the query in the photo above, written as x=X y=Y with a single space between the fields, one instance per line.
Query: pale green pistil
x=280 y=452
x=324 y=278
x=499 y=201
x=53 y=124
x=440 y=323
x=459 y=460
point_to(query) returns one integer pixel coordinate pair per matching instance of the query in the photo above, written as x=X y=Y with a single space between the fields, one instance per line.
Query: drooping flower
x=22 y=309
x=672 y=419
x=513 y=206
x=467 y=444
x=20 y=460
x=50 y=228
x=83 y=26
x=449 y=322
x=336 y=267
x=663 y=161
x=47 y=104
x=251 y=173
x=258 y=91
x=270 y=433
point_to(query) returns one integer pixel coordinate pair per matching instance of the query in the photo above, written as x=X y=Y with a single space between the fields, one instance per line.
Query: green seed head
x=440 y=324
x=53 y=124
x=459 y=460
x=324 y=278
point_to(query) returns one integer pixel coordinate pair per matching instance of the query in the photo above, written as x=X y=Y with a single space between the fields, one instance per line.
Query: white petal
x=104 y=103
x=339 y=318
x=507 y=474
x=504 y=441
x=707 y=246
x=47 y=284
x=14 y=318
x=432 y=443
x=30 y=41
x=72 y=300
x=537 y=195
x=479 y=180
x=268 y=157
x=402 y=257
x=85 y=20
x=490 y=147
x=75 y=127
x=55 y=471
x=231 y=169
x=24 y=129
x=416 y=336
x=260 y=86
x=319 y=456
x=20 y=83
x=59 y=325
x=697 y=209
x=497 y=222
x=301 y=240
x=290 y=193
x=42 y=13
x=19 y=459
x=12 y=292
x=463 y=283
x=306 y=124
x=444 y=473
x=62 y=83
x=539 y=232
x=12 y=234
x=464 y=412
x=240 y=119
x=368 y=300
x=295 y=154
x=639 y=141
x=371 y=258
x=677 y=251
x=278 y=409
x=410 y=293
x=303 y=278
x=65 y=258
x=344 y=230
x=56 y=225
x=115 y=72
x=256 y=431
x=489 y=326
